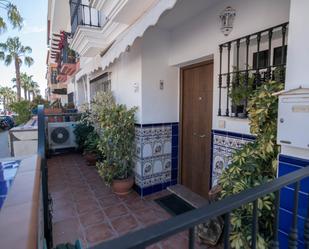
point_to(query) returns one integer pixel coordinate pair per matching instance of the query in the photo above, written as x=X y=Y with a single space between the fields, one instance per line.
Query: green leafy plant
x=23 y=111
x=116 y=142
x=91 y=142
x=241 y=88
x=241 y=91
x=100 y=103
x=255 y=164
x=82 y=130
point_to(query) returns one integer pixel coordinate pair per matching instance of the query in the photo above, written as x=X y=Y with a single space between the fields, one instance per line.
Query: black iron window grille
x=248 y=62
x=82 y=14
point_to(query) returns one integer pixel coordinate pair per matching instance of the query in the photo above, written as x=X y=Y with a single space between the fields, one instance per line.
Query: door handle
x=199 y=135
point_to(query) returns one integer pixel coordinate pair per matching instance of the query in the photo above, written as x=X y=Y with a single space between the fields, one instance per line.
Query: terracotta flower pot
x=122 y=187
x=91 y=158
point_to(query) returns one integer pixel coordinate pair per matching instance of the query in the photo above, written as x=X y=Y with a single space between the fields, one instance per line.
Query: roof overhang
x=127 y=38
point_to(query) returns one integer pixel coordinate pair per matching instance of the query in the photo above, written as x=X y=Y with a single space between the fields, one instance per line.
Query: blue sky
x=34 y=35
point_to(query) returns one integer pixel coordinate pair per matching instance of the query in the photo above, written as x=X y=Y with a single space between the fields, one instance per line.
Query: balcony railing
x=83 y=15
x=248 y=62
x=187 y=221
x=53 y=76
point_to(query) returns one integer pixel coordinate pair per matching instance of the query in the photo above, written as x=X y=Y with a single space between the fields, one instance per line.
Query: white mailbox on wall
x=293 y=118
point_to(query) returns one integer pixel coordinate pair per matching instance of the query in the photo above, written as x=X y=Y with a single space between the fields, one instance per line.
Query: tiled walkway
x=85 y=208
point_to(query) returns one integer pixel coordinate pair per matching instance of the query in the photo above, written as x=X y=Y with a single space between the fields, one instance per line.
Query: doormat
x=174 y=204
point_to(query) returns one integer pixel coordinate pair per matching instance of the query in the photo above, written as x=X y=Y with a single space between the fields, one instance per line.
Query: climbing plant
x=255 y=164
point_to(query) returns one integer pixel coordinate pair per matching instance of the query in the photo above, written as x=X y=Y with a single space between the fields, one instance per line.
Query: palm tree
x=12 y=14
x=34 y=89
x=25 y=80
x=7 y=96
x=30 y=87
x=13 y=50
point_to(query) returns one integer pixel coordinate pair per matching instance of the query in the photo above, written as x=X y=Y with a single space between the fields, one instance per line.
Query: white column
x=298 y=45
x=297 y=73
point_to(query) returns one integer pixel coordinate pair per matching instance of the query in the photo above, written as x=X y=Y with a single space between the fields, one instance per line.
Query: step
x=186 y=194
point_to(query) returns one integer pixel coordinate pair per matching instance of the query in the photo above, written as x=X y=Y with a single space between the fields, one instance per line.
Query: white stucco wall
x=163 y=49
x=158 y=105
x=200 y=37
x=126 y=78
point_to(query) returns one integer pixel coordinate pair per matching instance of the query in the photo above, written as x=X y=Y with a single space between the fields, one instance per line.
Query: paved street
x=4 y=147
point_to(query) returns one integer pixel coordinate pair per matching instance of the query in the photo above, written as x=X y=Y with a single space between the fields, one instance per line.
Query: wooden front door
x=196 y=115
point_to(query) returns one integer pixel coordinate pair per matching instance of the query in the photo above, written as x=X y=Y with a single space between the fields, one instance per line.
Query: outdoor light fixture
x=227 y=19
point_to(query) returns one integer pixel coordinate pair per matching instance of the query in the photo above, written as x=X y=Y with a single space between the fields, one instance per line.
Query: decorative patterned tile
x=223 y=146
x=155 y=146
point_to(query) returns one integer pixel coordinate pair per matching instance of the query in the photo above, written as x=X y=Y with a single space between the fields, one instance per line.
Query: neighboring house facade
x=172 y=60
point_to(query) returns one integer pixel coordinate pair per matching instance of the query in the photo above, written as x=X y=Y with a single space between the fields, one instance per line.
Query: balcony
x=61 y=78
x=86 y=23
x=83 y=15
x=53 y=76
x=68 y=61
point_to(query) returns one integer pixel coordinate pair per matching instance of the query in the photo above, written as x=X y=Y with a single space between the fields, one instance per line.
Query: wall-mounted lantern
x=227 y=19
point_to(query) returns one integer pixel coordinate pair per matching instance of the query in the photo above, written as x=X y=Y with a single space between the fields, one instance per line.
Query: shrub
x=255 y=164
x=91 y=142
x=116 y=142
x=82 y=130
x=23 y=111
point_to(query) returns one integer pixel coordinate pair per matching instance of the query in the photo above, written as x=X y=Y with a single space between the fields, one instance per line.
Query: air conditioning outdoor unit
x=61 y=135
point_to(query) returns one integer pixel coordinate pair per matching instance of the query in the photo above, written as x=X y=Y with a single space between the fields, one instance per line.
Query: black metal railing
x=238 y=77
x=47 y=212
x=83 y=15
x=187 y=221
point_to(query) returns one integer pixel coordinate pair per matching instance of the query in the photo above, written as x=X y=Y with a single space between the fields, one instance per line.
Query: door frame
x=181 y=92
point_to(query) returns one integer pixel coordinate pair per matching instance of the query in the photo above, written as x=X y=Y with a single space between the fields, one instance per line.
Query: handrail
x=41 y=132
x=42 y=153
x=160 y=231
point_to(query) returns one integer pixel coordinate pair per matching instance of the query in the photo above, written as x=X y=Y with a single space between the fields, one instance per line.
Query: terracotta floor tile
x=98 y=233
x=115 y=211
x=62 y=202
x=109 y=200
x=155 y=246
x=61 y=194
x=86 y=205
x=148 y=216
x=175 y=242
x=125 y=224
x=137 y=204
x=99 y=214
x=66 y=227
x=64 y=212
x=92 y=218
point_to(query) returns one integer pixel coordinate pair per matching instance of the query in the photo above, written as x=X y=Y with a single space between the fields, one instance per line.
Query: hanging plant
x=253 y=165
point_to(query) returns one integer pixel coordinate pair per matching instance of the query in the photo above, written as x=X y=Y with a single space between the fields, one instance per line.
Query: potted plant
x=82 y=129
x=90 y=148
x=117 y=144
x=240 y=92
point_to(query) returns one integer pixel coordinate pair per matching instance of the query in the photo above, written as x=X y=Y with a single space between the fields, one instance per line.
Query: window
x=101 y=83
x=263 y=59
x=71 y=97
x=278 y=54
